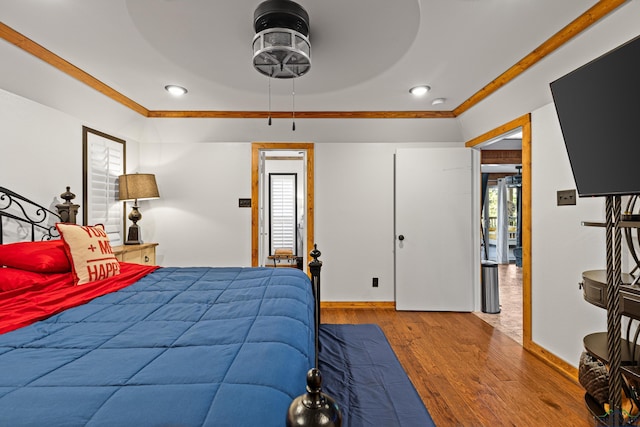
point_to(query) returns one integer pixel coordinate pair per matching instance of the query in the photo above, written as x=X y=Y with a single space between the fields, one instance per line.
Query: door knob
x=401 y=237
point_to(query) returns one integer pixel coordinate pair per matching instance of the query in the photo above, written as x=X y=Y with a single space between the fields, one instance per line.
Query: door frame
x=256 y=148
x=523 y=122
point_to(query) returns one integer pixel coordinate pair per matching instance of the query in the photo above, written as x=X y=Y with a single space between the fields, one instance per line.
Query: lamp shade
x=138 y=186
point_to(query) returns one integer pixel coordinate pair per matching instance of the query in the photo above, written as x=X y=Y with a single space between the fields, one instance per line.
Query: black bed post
x=314 y=408
x=67 y=210
x=315 y=266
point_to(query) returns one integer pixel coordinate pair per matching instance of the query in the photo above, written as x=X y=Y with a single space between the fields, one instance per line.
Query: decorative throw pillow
x=90 y=252
x=42 y=257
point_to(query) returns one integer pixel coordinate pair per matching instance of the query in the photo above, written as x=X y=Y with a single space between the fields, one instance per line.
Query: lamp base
x=134 y=236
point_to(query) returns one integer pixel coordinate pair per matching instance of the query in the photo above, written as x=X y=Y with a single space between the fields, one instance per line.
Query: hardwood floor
x=470 y=374
x=509 y=320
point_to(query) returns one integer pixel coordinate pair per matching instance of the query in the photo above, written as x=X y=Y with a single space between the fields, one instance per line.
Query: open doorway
x=501 y=226
x=501 y=212
x=282 y=222
x=506 y=159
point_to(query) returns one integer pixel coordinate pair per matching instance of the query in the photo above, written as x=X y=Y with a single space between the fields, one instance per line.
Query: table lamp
x=137 y=186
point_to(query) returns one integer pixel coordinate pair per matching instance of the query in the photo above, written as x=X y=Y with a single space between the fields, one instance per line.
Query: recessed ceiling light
x=419 y=90
x=175 y=90
x=438 y=101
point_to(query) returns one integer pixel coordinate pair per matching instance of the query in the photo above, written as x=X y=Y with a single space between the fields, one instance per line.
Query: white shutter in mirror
x=104 y=162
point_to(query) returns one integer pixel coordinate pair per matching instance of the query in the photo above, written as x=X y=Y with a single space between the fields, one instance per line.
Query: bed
x=147 y=346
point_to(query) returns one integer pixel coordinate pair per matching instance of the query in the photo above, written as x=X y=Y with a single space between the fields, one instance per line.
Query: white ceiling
x=366 y=54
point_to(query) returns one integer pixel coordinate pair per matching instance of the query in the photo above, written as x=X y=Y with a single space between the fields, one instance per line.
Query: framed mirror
x=104 y=160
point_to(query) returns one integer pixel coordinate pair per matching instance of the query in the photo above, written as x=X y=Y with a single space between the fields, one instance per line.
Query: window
x=104 y=161
x=282 y=211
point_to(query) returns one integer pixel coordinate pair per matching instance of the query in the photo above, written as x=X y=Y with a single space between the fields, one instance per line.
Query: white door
x=434 y=234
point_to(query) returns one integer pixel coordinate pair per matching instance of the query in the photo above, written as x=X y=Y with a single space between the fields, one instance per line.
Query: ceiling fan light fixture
x=175 y=90
x=419 y=90
x=281 y=47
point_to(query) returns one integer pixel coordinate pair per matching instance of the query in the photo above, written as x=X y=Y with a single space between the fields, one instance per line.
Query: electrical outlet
x=375 y=282
x=566 y=197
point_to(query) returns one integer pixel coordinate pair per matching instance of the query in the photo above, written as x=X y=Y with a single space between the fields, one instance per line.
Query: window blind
x=282 y=211
x=105 y=163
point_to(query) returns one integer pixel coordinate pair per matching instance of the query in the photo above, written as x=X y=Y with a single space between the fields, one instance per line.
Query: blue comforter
x=180 y=347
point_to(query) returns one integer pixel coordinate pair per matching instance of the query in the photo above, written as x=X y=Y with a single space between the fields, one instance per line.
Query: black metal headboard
x=28 y=220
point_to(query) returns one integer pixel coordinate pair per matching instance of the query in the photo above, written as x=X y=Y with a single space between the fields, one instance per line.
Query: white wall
x=197 y=220
x=307 y=130
x=40 y=150
x=561 y=247
x=354 y=218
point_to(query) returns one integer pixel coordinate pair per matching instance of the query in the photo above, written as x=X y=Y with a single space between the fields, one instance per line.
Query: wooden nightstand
x=137 y=254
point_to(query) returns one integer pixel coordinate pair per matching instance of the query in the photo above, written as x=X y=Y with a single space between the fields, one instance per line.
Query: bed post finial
x=315 y=253
x=68 y=211
x=314 y=408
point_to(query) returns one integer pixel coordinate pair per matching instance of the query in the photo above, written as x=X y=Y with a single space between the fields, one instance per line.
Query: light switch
x=566 y=197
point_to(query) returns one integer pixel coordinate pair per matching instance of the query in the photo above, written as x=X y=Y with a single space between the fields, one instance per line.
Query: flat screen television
x=598 y=107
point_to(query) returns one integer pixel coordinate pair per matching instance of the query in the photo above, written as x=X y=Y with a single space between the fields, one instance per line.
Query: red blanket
x=21 y=307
